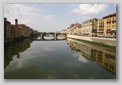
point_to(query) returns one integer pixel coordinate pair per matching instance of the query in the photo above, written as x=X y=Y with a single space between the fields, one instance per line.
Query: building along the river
x=7 y=29
x=89 y=27
x=74 y=29
x=15 y=32
x=78 y=29
x=110 y=25
x=105 y=27
x=25 y=30
x=94 y=27
x=100 y=28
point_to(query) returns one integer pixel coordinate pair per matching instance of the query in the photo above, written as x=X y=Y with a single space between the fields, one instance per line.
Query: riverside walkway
x=108 y=41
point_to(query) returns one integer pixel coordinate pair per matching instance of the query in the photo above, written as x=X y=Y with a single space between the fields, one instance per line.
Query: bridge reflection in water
x=47 y=38
x=102 y=57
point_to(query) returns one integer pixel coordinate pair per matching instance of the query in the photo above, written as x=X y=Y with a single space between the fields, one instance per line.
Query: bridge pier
x=65 y=35
x=42 y=37
x=55 y=36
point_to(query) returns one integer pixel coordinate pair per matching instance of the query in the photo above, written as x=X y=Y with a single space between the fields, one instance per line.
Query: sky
x=55 y=17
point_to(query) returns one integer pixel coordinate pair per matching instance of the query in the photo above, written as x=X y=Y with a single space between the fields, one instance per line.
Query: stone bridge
x=41 y=35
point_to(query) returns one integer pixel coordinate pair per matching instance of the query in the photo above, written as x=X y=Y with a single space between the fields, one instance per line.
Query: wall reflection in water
x=104 y=58
x=15 y=49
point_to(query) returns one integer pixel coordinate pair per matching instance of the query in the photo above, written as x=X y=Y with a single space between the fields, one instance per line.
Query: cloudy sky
x=55 y=17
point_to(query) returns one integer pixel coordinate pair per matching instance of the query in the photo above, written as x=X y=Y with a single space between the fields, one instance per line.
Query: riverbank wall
x=106 y=41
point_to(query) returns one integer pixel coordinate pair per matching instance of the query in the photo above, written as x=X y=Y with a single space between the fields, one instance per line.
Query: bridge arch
x=51 y=34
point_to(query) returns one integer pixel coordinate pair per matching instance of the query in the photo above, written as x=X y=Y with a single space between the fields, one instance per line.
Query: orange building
x=15 y=31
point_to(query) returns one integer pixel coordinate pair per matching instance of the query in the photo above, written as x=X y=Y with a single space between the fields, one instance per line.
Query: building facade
x=100 y=28
x=7 y=29
x=75 y=29
x=94 y=27
x=87 y=28
x=110 y=25
x=78 y=29
x=105 y=27
x=15 y=31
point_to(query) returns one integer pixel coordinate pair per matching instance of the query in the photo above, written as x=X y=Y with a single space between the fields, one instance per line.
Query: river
x=64 y=59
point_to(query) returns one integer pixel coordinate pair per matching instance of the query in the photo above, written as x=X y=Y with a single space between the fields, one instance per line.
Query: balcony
x=108 y=21
x=100 y=31
x=108 y=30
x=101 y=24
x=113 y=20
x=113 y=30
x=101 y=28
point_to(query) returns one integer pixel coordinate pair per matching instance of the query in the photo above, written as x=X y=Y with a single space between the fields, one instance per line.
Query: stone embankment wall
x=108 y=41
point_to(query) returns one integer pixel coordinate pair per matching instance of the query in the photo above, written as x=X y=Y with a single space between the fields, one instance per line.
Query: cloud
x=90 y=9
x=22 y=12
x=48 y=17
x=48 y=49
x=82 y=59
x=72 y=21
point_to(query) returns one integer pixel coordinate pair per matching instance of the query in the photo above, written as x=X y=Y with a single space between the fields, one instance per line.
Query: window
x=113 y=19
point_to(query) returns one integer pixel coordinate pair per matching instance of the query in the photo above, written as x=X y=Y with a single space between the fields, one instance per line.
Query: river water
x=64 y=59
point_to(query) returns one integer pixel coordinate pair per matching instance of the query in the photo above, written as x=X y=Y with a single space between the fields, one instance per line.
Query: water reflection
x=57 y=60
x=102 y=57
x=15 y=49
x=48 y=38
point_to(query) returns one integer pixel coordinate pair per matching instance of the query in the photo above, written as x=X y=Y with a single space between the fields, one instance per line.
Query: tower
x=16 y=21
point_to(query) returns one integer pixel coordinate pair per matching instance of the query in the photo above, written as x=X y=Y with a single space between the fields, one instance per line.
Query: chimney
x=5 y=19
x=16 y=21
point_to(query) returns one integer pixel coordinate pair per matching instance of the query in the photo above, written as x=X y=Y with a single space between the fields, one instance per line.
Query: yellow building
x=94 y=27
x=106 y=60
x=100 y=28
x=110 y=25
